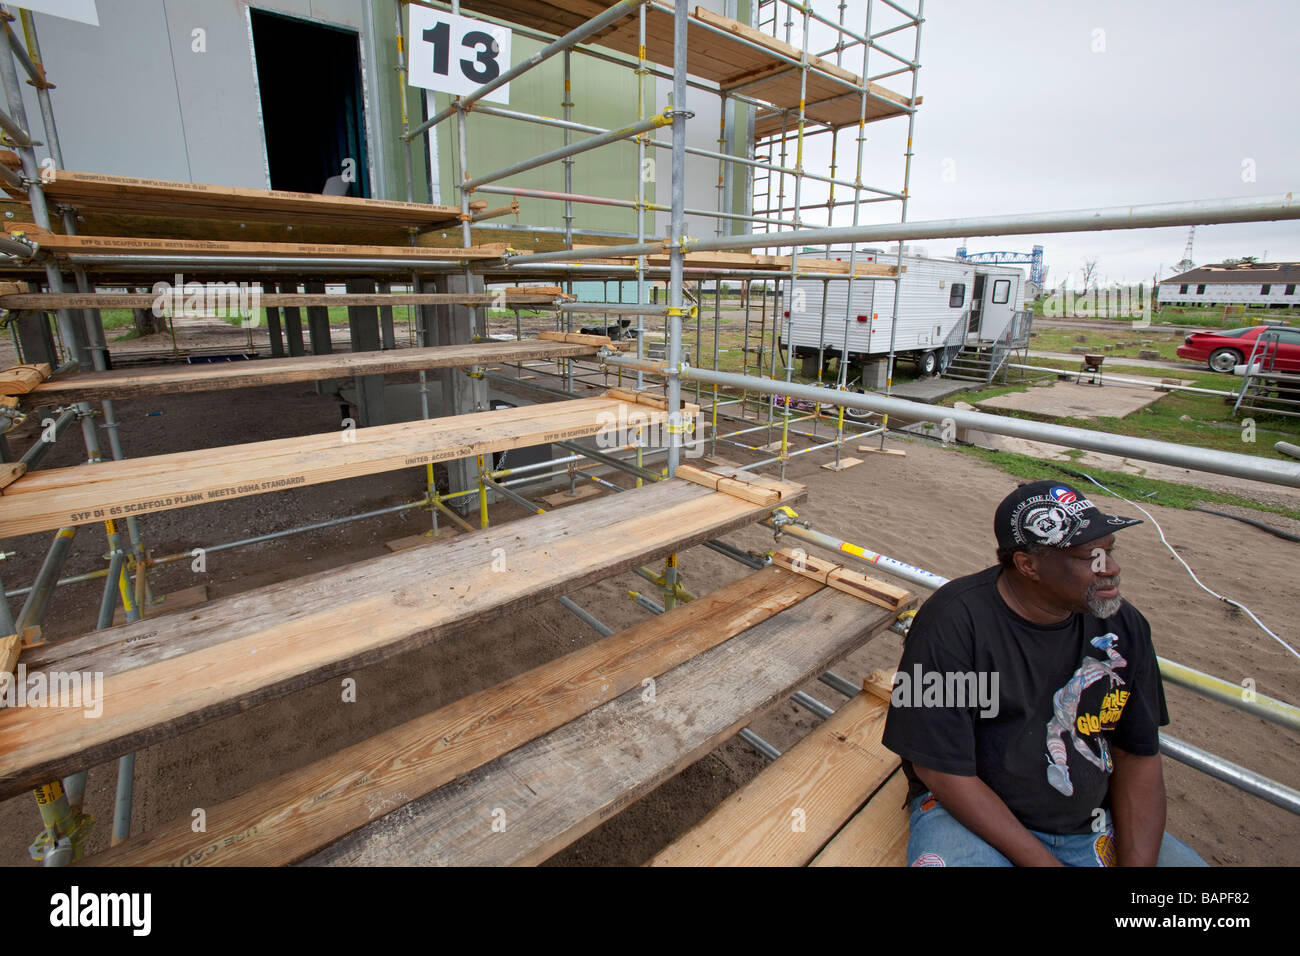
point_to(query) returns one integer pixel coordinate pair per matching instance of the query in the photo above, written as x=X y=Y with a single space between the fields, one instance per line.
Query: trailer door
x=996 y=305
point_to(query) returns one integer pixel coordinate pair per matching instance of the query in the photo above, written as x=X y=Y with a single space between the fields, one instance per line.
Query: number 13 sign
x=457 y=55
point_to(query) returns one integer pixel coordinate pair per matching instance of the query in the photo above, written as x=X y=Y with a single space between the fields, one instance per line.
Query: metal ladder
x=1260 y=379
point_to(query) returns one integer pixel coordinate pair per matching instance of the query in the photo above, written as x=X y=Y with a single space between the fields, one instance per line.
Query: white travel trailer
x=938 y=296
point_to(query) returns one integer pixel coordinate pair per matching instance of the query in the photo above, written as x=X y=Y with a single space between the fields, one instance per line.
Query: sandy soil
x=931 y=508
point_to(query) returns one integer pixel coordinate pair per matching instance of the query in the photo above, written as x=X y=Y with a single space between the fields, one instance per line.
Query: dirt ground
x=932 y=508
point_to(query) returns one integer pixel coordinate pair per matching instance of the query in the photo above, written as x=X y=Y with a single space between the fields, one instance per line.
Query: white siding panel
x=1234 y=293
x=924 y=318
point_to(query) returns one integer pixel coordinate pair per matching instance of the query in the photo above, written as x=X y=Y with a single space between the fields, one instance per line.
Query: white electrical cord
x=1161 y=532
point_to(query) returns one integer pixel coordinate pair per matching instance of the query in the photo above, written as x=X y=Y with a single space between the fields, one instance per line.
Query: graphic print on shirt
x=1066 y=720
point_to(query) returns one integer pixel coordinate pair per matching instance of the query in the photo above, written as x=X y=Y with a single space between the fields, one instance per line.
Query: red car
x=1221 y=351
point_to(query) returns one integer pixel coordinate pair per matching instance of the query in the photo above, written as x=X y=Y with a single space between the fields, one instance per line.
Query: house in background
x=1269 y=284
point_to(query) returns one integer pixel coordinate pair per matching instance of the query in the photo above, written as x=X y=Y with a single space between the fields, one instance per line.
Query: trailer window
x=1001 y=291
x=957 y=297
x=1265 y=289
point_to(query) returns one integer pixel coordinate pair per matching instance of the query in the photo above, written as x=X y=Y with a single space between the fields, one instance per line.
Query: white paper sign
x=457 y=55
x=83 y=11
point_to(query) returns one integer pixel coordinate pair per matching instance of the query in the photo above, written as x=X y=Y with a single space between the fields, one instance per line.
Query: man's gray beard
x=1106 y=608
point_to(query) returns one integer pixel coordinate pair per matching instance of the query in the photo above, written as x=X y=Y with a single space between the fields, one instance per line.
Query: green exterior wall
x=604 y=95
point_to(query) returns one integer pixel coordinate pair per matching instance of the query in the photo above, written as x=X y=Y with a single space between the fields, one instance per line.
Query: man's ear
x=1027 y=565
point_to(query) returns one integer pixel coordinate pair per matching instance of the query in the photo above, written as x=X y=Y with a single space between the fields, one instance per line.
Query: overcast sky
x=1051 y=105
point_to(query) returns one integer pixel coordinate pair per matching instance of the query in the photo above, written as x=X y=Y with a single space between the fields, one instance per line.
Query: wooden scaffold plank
x=63 y=497
x=146 y=246
x=786 y=814
x=129 y=383
x=556 y=788
x=105 y=190
x=292 y=816
x=169 y=674
x=877 y=834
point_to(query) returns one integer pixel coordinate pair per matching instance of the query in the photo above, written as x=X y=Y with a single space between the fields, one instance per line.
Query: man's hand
x=1137 y=802
x=976 y=807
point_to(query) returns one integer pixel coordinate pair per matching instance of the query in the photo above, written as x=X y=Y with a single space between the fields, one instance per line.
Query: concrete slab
x=930 y=389
x=1070 y=400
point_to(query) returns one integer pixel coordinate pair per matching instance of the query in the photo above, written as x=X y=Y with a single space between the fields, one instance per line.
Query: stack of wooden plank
x=145 y=246
x=553 y=751
x=177 y=671
x=111 y=205
x=164 y=197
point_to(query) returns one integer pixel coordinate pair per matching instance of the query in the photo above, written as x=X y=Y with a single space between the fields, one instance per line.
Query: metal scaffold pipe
x=1194 y=213
x=1234 y=695
x=908 y=572
x=1144 y=449
x=677 y=230
x=1276 y=793
x=13 y=130
x=582 y=146
x=613 y=308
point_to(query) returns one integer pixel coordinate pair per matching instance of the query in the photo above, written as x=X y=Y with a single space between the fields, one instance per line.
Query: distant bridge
x=1033 y=259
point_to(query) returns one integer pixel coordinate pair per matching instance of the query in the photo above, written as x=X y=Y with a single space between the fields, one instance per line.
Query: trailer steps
x=972 y=364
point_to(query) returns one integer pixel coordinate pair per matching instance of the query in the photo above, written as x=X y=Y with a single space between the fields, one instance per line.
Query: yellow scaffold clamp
x=685 y=243
x=63 y=840
x=904 y=623
x=683 y=312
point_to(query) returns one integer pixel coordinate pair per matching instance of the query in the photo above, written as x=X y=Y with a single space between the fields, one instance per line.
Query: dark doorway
x=976 y=304
x=309 y=77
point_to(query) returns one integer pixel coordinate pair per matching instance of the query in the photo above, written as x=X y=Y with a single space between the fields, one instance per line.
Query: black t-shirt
x=1028 y=709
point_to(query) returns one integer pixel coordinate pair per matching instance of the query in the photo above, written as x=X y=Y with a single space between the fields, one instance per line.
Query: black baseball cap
x=1054 y=514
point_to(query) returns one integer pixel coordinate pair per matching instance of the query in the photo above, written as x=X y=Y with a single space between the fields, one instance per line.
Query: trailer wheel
x=927 y=363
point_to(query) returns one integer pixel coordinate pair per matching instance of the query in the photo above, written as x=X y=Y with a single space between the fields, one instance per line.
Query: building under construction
x=534 y=298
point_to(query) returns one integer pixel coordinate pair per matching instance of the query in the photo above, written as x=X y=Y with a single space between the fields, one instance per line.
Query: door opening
x=309 y=79
x=976 y=306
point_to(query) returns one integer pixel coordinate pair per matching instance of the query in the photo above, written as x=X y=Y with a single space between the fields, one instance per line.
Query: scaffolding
x=788 y=94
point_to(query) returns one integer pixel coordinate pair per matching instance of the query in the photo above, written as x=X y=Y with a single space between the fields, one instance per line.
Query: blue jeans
x=937 y=839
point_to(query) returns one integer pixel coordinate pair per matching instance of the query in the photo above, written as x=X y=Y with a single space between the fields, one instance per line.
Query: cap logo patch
x=1049 y=525
x=1064 y=495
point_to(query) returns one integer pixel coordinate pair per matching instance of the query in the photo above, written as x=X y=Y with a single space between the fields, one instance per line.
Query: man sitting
x=1061 y=765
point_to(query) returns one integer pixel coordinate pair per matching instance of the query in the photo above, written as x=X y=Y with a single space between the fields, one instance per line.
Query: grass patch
x=1184 y=418
x=1134 y=487
x=117 y=318
x=1127 y=343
